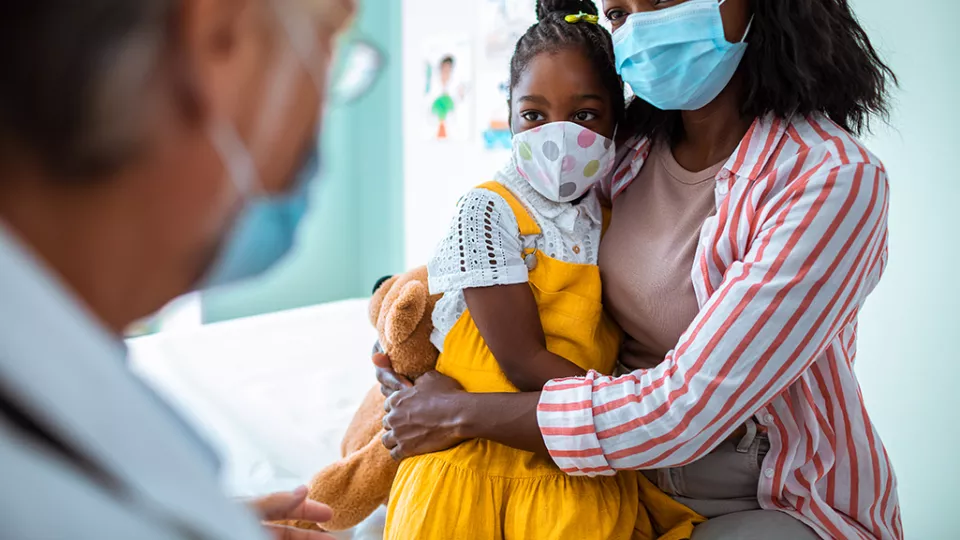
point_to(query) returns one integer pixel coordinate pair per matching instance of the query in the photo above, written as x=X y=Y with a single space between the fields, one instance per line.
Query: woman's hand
x=292 y=506
x=423 y=417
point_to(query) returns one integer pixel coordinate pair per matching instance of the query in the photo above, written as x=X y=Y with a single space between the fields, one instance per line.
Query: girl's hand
x=389 y=381
x=423 y=417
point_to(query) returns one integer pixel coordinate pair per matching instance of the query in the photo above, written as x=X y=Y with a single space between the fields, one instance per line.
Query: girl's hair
x=804 y=57
x=552 y=33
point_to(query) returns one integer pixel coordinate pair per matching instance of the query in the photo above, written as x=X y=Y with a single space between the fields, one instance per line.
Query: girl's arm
x=509 y=321
x=436 y=413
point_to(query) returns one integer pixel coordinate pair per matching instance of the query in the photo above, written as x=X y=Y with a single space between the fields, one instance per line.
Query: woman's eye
x=585 y=116
x=532 y=116
x=615 y=15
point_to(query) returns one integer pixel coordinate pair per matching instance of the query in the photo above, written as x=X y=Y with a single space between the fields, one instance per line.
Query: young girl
x=521 y=306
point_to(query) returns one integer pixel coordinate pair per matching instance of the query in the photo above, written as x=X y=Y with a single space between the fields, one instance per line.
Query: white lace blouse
x=484 y=248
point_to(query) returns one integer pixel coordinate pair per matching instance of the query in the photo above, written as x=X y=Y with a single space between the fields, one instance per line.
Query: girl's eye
x=585 y=116
x=532 y=116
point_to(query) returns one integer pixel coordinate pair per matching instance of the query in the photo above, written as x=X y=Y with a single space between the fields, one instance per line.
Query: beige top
x=647 y=254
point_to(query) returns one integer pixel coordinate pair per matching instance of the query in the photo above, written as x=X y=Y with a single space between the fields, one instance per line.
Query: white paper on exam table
x=273 y=394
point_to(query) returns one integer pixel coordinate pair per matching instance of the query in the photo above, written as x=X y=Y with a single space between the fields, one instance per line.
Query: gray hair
x=73 y=77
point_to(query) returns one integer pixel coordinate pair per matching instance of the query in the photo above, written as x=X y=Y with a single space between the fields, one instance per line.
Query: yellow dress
x=485 y=490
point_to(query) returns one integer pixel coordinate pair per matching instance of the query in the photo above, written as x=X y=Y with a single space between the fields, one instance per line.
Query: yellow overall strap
x=605 y=212
x=528 y=225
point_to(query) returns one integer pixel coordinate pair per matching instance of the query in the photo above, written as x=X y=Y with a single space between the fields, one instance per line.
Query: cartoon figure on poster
x=447 y=92
x=502 y=22
x=496 y=132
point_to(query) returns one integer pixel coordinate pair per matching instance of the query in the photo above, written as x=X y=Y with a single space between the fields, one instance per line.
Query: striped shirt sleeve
x=817 y=248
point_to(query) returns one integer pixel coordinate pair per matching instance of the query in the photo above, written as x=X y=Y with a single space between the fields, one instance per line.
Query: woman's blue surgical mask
x=677 y=58
x=265 y=230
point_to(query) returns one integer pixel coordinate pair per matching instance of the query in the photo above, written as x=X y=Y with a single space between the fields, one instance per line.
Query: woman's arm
x=436 y=414
x=818 y=249
x=509 y=321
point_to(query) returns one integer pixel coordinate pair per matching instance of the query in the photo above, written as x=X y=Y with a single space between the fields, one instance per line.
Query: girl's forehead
x=567 y=65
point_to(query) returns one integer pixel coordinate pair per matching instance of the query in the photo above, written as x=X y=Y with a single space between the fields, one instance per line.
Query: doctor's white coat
x=86 y=450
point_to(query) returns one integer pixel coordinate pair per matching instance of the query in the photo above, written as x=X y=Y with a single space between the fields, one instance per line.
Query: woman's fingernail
x=300 y=491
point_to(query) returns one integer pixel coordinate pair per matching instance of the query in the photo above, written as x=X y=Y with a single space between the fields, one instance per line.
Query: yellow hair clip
x=585 y=17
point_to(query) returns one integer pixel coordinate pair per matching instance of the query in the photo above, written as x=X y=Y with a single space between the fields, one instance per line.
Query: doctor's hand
x=292 y=506
x=422 y=417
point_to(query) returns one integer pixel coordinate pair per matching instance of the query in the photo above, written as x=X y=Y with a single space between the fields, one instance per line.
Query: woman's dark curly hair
x=552 y=33
x=804 y=57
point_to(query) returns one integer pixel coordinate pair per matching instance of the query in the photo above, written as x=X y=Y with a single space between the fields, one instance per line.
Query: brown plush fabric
x=401 y=309
x=361 y=430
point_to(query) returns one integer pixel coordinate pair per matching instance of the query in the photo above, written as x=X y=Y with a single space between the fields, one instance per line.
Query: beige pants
x=723 y=487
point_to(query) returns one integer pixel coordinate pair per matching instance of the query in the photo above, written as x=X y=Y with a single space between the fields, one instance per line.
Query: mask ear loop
x=747 y=31
x=749 y=24
x=303 y=39
x=236 y=159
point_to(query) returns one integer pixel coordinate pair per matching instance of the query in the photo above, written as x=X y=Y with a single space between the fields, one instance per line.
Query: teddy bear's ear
x=376 y=302
x=406 y=312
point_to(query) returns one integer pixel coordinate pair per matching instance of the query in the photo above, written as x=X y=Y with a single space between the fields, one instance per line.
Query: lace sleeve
x=482 y=248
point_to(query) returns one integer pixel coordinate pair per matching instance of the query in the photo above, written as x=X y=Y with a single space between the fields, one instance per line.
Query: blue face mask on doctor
x=266 y=228
x=265 y=231
x=677 y=58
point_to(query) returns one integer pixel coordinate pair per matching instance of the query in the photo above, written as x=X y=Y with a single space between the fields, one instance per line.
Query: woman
x=748 y=227
x=139 y=140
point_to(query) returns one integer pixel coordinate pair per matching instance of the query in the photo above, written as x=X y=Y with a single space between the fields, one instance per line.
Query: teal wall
x=908 y=354
x=354 y=232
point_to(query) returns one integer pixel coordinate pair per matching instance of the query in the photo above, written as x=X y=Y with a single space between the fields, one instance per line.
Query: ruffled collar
x=563 y=215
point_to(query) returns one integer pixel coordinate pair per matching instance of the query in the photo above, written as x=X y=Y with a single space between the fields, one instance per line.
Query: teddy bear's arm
x=362 y=428
x=355 y=486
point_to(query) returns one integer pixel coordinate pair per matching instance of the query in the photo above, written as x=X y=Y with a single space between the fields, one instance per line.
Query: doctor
x=146 y=147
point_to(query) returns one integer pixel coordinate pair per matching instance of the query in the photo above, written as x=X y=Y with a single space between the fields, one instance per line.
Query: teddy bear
x=355 y=486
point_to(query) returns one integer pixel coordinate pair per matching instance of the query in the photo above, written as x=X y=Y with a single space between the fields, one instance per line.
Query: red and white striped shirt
x=798 y=241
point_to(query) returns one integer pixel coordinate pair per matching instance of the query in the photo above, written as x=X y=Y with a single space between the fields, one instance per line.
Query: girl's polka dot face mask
x=562 y=160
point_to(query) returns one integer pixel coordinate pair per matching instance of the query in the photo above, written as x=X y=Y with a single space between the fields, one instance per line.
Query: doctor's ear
x=220 y=45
